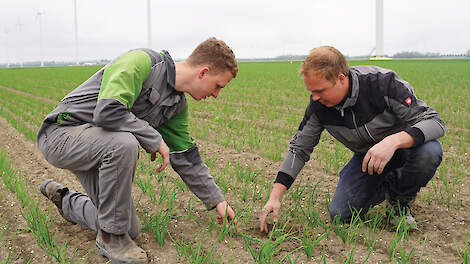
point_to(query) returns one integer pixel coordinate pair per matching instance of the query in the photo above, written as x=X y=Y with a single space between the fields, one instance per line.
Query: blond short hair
x=325 y=61
x=216 y=55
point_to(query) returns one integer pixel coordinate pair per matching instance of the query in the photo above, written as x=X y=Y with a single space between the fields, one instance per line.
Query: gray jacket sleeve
x=195 y=174
x=300 y=148
x=425 y=123
x=112 y=115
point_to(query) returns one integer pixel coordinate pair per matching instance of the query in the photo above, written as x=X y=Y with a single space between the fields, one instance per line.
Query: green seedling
x=266 y=250
x=193 y=254
x=158 y=225
x=310 y=240
x=226 y=227
x=465 y=256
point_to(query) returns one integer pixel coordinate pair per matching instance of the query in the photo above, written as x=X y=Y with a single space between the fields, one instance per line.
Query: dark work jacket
x=379 y=104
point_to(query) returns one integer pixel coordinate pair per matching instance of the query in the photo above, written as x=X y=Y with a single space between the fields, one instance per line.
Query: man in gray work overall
x=95 y=132
x=375 y=114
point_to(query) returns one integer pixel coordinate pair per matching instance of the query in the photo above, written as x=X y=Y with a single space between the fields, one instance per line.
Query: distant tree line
x=416 y=54
x=290 y=57
x=399 y=55
x=53 y=63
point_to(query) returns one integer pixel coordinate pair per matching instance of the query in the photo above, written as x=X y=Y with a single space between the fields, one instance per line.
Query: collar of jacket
x=354 y=86
x=170 y=68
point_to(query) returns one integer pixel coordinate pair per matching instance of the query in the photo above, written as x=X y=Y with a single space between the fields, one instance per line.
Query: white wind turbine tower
x=6 y=48
x=19 y=25
x=379 y=31
x=76 y=30
x=149 y=26
x=39 y=17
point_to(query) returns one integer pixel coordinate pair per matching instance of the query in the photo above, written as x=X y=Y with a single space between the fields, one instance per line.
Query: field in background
x=243 y=135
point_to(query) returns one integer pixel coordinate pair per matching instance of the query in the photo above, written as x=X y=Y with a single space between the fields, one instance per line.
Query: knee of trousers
x=340 y=211
x=428 y=157
x=126 y=147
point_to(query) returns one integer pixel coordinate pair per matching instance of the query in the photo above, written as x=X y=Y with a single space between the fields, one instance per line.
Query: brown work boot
x=119 y=248
x=54 y=191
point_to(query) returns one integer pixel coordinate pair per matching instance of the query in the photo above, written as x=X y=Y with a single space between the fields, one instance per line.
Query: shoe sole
x=42 y=188
x=43 y=185
x=102 y=252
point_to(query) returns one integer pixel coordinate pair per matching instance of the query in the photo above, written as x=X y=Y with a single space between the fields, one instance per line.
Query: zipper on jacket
x=355 y=125
x=293 y=160
x=370 y=135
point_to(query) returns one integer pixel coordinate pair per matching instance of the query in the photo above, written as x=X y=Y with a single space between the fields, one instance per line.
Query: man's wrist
x=278 y=191
x=401 y=140
x=394 y=142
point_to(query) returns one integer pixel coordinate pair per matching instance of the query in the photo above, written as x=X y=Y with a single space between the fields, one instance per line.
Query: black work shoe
x=400 y=212
x=54 y=191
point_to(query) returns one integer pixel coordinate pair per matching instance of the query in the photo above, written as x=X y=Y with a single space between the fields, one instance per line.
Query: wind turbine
x=149 y=26
x=379 y=31
x=76 y=30
x=19 y=25
x=39 y=17
x=6 y=48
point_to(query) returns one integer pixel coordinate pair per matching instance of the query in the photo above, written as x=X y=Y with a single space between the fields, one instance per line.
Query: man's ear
x=342 y=77
x=203 y=71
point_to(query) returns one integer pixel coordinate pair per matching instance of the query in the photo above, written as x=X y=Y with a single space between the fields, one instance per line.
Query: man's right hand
x=165 y=153
x=273 y=205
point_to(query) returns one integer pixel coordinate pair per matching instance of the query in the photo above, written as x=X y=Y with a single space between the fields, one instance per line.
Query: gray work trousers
x=104 y=163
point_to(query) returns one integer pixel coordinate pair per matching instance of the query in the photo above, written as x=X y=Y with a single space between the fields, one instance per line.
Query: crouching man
x=375 y=114
x=95 y=132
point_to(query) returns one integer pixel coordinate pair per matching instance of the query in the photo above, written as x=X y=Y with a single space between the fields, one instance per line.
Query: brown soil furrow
x=28 y=125
x=45 y=99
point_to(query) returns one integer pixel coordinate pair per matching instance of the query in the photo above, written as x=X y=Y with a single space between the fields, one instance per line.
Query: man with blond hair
x=375 y=114
x=95 y=132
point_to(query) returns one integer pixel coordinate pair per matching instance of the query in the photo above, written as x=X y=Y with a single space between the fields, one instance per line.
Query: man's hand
x=165 y=153
x=223 y=208
x=273 y=205
x=380 y=154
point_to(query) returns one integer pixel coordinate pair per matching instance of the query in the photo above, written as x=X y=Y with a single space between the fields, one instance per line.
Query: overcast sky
x=253 y=28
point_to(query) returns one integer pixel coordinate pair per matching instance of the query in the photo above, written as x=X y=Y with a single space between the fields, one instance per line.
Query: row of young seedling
x=23 y=113
x=37 y=219
x=49 y=82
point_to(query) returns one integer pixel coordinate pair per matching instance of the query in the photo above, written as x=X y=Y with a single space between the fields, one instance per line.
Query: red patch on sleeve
x=408 y=101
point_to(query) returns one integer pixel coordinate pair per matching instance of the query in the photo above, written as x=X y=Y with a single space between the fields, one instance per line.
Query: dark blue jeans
x=405 y=174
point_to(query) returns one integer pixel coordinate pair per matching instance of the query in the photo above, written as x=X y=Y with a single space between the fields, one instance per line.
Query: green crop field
x=243 y=135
